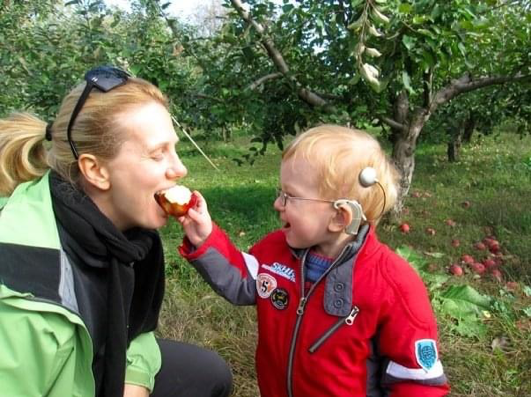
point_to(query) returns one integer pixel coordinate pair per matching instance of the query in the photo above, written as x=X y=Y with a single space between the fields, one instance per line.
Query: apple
x=478 y=268
x=496 y=274
x=404 y=228
x=431 y=231
x=456 y=270
x=489 y=263
x=494 y=246
x=467 y=259
x=177 y=200
x=480 y=246
x=465 y=204
x=450 y=222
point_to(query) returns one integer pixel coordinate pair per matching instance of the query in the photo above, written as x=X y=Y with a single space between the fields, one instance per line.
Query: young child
x=339 y=313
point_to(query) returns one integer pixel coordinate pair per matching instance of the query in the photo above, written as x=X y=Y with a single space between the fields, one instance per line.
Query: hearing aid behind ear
x=357 y=215
x=367 y=178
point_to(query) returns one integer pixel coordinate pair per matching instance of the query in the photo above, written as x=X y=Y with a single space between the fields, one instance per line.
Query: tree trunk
x=404 y=156
x=470 y=126
x=455 y=136
x=400 y=114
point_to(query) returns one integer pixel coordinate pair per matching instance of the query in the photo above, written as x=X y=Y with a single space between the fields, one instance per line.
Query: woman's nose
x=177 y=169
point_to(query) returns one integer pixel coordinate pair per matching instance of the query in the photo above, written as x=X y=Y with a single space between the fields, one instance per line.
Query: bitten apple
x=177 y=200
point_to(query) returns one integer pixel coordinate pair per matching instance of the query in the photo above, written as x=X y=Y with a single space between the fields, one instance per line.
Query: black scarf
x=134 y=266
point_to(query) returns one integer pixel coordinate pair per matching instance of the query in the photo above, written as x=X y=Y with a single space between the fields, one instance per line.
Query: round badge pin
x=279 y=298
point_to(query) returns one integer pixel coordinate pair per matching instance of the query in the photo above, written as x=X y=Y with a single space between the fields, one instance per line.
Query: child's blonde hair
x=23 y=153
x=338 y=155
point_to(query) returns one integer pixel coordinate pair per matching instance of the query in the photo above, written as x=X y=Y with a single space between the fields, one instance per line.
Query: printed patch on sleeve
x=426 y=353
x=265 y=285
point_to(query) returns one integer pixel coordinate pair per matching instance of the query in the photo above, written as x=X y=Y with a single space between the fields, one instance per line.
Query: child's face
x=305 y=222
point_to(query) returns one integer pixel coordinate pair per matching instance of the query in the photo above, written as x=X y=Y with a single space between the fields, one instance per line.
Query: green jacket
x=46 y=350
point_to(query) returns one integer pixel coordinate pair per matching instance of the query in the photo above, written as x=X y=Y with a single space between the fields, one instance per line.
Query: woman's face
x=146 y=163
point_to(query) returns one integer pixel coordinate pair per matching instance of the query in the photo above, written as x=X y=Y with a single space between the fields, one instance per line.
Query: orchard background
x=445 y=87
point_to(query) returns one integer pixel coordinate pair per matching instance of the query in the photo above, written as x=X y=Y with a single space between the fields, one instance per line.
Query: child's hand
x=197 y=223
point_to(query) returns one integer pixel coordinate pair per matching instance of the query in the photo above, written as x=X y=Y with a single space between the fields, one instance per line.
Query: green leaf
x=466 y=306
x=405 y=8
x=466 y=299
x=408 y=41
x=406 y=80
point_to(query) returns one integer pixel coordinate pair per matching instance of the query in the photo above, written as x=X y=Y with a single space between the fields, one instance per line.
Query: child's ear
x=341 y=219
x=94 y=171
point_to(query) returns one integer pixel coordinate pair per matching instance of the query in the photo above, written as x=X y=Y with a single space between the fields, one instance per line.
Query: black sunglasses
x=105 y=79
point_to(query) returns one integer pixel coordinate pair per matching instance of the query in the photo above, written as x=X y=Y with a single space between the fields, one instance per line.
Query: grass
x=493 y=175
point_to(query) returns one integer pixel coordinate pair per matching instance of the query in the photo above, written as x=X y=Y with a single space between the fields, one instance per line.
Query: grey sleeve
x=226 y=278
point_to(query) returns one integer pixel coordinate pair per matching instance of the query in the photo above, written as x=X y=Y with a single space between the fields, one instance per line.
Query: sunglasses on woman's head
x=105 y=79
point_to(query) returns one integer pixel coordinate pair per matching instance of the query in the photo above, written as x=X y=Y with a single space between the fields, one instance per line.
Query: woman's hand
x=197 y=223
x=135 y=391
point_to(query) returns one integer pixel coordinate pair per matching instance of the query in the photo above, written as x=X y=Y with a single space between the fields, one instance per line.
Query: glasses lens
x=106 y=78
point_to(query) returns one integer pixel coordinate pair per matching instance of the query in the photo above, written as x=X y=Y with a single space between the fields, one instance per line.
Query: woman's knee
x=189 y=370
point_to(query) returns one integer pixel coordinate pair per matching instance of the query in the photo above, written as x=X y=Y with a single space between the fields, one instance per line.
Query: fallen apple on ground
x=177 y=200
x=456 y=270
x=404 y=228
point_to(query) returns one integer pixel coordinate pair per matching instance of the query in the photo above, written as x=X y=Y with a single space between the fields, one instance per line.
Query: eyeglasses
x=283 y=196
x=105 y=79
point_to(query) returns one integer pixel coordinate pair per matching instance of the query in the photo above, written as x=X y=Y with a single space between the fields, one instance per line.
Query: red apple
x=177 y=200
x=494 y=247
x=480 y=246
x=456 y=270
x=478 y=268
x=467 y=259
x=404 y=228
x=489 y=263
x=496 y=274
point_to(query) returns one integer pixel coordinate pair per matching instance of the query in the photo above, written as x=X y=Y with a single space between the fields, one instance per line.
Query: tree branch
x=277 y=58
x=254 y=85
x=392 y=123
x=466 y=83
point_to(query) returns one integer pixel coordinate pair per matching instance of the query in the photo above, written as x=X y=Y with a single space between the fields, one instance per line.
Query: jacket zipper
x=348 y=320
x=300 y=313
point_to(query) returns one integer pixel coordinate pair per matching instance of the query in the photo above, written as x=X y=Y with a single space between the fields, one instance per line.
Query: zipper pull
x=300 y=309
x=349 y=320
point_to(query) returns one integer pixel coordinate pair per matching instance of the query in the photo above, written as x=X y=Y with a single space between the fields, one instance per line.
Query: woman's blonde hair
x=23 y=155
x=338 y=155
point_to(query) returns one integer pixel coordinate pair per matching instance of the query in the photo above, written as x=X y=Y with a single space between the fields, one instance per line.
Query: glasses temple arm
x=77 y=109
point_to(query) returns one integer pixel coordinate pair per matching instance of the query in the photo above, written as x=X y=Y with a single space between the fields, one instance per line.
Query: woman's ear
x=95 y=173
x=341 y=219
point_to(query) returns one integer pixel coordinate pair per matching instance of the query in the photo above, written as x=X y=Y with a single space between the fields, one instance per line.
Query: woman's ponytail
x=22 y=151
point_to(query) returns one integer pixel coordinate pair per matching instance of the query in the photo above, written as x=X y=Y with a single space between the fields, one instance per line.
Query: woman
x=82 y=268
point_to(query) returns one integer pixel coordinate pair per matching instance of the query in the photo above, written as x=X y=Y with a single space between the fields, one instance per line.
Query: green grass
x=493 y=175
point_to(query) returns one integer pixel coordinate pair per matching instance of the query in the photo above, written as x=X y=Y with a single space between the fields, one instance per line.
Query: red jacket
x=365 y=328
